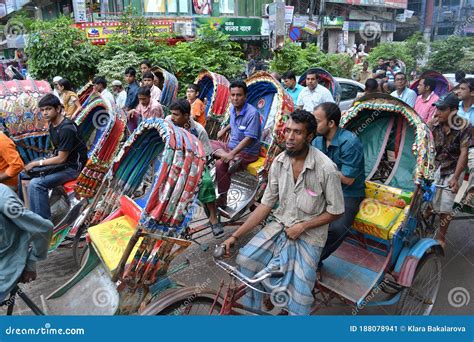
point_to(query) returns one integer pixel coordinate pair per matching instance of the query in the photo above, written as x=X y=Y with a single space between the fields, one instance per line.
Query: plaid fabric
x=270 y=249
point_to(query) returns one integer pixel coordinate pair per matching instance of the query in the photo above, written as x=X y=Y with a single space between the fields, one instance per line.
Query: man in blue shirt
x=243 y=147
x=402 y=92
x=345 y=149
x=466 y=95
x=293 y=88
x=25 y=238
x=132 y=97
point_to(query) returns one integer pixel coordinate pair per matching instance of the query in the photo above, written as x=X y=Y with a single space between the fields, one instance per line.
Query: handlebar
x=219 y=252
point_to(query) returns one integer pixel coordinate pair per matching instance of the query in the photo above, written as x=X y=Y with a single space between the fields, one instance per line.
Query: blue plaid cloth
x=270 y=249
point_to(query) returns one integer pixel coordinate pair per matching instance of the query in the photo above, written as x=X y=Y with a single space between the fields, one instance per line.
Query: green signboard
x=233 y=26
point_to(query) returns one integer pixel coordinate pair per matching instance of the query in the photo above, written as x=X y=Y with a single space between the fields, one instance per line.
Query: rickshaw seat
x=110 y=238
x=382 y=211
x=254 y=167
x=69 y=186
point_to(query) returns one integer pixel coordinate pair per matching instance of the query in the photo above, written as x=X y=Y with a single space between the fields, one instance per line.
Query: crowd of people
x=318 y=181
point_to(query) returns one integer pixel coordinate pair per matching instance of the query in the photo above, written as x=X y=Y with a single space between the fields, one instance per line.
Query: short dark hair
x=148 y=74
x=64 y=82
x=239 y=84
x=429 y=82
x=146 y=62
x=459 y=75
x=469 y=82
x=289 y=75
x=49 y=100
x=182 y=105
x=194 y=87
x=332 y=111
x=400 y=73
x=312 y=72
x=383 y=58
x=371 y=84
x=131 y=71
x=144 y=91
x=305 y=117
x=100 y=80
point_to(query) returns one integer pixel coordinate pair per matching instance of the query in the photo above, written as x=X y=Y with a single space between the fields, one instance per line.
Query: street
x=456 y=274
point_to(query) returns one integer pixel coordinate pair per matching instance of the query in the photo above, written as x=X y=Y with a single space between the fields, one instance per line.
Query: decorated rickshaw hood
x=218 y=102
x=423 y=147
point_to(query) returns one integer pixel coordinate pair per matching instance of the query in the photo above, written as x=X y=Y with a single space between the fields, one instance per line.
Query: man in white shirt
x=119 y=93
x=100 y=86
x=402 y=92
x=314 y=93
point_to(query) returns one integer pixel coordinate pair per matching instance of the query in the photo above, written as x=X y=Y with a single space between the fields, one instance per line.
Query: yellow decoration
x=111 y=238
x=387 y=194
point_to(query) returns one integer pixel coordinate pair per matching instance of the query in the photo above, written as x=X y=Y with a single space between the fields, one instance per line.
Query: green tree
x=58 y=48
x=446 y=55
x=397 y=50
x=114 y=68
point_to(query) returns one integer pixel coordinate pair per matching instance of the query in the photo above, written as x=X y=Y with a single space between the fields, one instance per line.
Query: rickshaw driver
x=345 y=149
x=451 y=135
x=243 y=147
x=25 y=240
x=307 y=186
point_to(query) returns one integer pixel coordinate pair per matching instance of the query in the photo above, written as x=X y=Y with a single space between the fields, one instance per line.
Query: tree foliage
x=451 y=54
x=299 y=60
x=57 y=48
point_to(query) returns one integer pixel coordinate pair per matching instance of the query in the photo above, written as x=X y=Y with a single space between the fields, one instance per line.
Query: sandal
x=217 y=229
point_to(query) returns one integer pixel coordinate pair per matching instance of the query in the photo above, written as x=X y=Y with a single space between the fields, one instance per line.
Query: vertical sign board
x=276 y=21
x=80 y=13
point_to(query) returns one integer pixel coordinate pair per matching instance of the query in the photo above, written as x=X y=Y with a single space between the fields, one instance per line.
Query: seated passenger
x=148 y=81
x=198 y=111
x=69 y=159
x=345 y=149
x=181 y=116
x=10 y=162
x=307 y=186
x=243 y=147
x=25 y=241
x=147 y=107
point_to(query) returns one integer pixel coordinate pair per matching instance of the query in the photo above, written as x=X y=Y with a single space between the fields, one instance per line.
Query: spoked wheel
x=420 y=297
x=198 y=306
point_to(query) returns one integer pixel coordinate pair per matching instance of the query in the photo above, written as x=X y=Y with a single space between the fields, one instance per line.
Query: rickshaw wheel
x=198 y=306
x=77 y=252
x=420 y=297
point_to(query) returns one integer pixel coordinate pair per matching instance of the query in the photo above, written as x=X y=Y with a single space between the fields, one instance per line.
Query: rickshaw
x=273 y=104
x=21 y=118
x=442 y=84
x=103 y=131
x=168 y=83
x=383 y=252
x=326 y=80
x=127 y=266
x=215 y=94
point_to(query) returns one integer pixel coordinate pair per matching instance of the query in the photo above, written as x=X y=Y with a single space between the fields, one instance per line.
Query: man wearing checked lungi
x=306 y=186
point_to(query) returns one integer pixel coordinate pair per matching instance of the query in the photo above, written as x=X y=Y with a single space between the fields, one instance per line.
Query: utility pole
x=322 y=12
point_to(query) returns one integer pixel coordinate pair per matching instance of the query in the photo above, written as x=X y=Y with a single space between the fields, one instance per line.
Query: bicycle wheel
x=420 y=297
x=197 y=306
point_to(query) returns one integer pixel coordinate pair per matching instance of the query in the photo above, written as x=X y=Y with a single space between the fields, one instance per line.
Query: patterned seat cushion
x=254 y=167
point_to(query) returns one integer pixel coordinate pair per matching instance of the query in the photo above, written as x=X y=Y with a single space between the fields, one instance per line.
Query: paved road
x=458 y=275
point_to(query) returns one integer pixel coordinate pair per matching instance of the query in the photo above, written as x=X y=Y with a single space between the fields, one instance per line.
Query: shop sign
x=232 y=26
x=378 y=3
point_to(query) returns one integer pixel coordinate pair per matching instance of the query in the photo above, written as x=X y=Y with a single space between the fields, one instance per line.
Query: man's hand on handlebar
x=228 y=244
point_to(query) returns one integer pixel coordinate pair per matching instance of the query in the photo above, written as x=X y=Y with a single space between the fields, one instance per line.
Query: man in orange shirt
x=10 y=162
x=198 y=111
